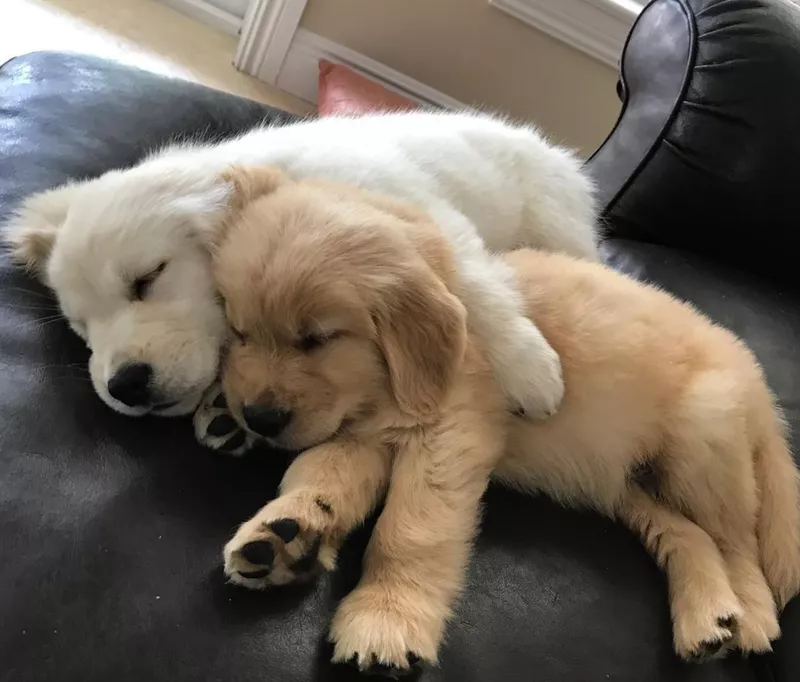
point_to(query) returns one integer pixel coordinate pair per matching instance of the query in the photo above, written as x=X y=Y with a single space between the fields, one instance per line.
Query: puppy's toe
x=215 y=427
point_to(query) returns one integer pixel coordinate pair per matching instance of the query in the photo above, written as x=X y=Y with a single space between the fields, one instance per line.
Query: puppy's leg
x=325 y=493
x=526 y=367
x=710 y=474
x=416 y=560
x=215 y=428
x=727 y=511
x=704 y=608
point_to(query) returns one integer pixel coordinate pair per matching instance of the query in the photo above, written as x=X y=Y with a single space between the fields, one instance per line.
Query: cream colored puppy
x=349 y=344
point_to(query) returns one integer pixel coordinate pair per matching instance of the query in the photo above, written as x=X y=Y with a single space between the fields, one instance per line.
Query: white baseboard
x=299 y=74
x=208 y=14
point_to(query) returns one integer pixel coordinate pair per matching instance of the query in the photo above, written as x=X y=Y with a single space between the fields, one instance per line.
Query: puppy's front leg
x=325 y=493
x=526 y=367
x=416 y=560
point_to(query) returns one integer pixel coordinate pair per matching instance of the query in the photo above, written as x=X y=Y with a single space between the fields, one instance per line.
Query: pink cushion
x=343 y=91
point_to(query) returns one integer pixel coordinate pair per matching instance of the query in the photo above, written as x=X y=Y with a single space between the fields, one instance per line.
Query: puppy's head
x=128 y=257
x=338 y=308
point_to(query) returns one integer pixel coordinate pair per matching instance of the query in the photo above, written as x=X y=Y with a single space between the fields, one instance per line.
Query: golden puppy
x=349 y=343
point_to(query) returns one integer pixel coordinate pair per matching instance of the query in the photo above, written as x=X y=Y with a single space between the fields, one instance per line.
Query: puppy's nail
x=259 y=553
x=260 y=573
x=285 y=529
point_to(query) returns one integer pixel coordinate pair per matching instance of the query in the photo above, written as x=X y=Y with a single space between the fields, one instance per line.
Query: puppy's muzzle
x=268 y=422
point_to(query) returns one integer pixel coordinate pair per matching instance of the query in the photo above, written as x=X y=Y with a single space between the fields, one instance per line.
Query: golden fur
x=342 y=308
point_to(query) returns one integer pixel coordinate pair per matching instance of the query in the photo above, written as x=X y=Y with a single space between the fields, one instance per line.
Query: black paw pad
x=234 y=442
x=259 y=553
x=285 y=529
x=709 y=648
x=414 y=661
x=221 y=425
x=308 y=562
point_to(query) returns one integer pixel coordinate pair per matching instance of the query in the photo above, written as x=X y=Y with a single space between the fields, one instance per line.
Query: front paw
x=530 y=373
x=286 y=542
x=381 y=631
x=215 y=427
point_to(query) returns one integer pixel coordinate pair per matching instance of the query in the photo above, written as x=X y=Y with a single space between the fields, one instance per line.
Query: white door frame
x=268 y=30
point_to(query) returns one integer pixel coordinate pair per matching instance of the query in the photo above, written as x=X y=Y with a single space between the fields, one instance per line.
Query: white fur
x=490 y=185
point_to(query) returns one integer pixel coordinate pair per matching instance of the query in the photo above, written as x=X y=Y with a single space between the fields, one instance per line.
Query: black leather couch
x=111 y=528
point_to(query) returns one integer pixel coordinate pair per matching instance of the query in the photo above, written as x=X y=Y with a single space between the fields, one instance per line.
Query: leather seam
x=661 y=136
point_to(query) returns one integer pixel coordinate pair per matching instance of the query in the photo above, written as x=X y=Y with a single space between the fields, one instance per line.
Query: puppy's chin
x=178 y=408
x=298 y=443
x=165 y=408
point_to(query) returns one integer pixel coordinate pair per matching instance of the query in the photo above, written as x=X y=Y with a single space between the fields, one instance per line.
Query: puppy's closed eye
x=311 y=341
x=141 y=285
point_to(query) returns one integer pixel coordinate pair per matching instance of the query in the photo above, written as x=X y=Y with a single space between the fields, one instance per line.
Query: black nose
x=266 y=421
x=131 y=384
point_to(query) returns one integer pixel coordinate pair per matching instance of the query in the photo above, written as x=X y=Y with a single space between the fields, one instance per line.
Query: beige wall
x=479 y=55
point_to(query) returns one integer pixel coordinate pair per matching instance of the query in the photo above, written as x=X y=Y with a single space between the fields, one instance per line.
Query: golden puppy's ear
x=422 y=330
x=251 y=182
x=32 y=229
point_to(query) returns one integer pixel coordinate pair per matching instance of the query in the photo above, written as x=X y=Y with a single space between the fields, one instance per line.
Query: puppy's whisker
x=19 y=306
x=30 y=292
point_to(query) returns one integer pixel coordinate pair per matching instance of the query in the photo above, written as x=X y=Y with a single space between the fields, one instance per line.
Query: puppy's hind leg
x=705 y=610
x=709 y=473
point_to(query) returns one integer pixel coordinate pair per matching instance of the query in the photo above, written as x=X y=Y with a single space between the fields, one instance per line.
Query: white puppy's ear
x=32 y=229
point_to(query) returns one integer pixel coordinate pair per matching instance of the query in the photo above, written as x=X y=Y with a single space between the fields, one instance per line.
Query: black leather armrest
x=705 y=151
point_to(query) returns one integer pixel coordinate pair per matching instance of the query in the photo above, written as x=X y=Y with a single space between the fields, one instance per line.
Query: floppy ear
x=251 y=182
x=32 y=229
x=422 y=331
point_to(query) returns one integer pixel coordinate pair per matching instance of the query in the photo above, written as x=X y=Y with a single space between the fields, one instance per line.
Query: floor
x=142 y=33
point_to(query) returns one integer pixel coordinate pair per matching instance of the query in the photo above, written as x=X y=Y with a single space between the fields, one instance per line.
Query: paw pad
x=714 y=647
x=278 y=553
x=285 y=529
x=259 y=553
x=215 y=427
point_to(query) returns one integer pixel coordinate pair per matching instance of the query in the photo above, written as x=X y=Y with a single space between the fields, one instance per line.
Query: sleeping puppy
x=348 y=344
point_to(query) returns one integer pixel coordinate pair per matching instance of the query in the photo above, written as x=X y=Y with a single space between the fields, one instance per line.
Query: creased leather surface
x=111 y=528
x=704 y=155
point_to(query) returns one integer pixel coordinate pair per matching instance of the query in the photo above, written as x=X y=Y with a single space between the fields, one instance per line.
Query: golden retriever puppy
x=348 y=344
